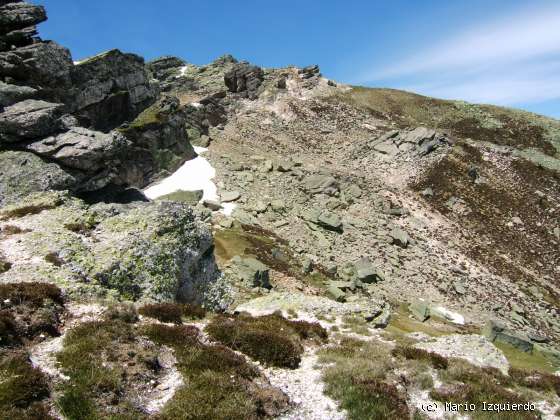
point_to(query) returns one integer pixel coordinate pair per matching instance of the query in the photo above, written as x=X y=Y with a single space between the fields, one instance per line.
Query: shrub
x=9 y=331
x=172 y=335
x=33 y=293
x=270 y=339
x=21 y=384
x=413 y=353
x=172 y=312
x=535 y=380
x=125 y=312
x=200 y=358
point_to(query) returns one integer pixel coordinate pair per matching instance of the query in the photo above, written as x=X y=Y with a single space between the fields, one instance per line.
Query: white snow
x=451 y=316
x=195 y=174
x=182 y=71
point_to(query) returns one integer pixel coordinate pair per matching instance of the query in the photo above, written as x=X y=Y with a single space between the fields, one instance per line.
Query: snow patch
x=451 y=316
x=195 y=174
x=182 y=71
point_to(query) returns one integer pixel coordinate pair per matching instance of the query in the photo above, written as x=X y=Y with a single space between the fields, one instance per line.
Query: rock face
x=17 y=23
x=67 y=114
x=244 y=79
x=110 y=88
x=158 y=142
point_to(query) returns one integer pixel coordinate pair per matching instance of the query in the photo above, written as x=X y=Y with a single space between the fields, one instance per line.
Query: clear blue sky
x=505 y=52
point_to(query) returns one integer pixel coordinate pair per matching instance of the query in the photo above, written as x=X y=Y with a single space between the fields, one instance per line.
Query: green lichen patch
x=270 y=339
x=32 y=204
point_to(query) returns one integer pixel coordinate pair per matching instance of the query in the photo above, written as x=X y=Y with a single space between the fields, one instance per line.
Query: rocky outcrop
x=17 y=23
x=421 y=140
x=44 y=66
x=110 y=88
x=158 y=143
x=66 y=115
x=244 y=79
x=142 y=251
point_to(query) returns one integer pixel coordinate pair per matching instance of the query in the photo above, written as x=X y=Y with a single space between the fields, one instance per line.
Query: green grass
x=96 y=357
x=357 y=375
x=270 y=339
x=219 y=382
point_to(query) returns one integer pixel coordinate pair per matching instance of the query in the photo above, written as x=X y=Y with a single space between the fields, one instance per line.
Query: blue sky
x=505 y=52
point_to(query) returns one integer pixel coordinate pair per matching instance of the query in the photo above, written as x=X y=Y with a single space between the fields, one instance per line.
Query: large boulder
x=110 y=88
x=82 y=149
x=158 y=143
x=156 y=251
x=321 y=184
x=244 y=79
x=495 y=331
x=29 y=119
x=22 y=173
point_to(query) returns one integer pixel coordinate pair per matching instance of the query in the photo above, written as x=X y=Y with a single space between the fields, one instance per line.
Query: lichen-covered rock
x=80 y=148
x=110 y=88
x=22 y=173
x=142 y=251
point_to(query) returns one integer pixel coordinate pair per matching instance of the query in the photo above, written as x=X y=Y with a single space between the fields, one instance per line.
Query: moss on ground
x=270 y=339
x=105 y=361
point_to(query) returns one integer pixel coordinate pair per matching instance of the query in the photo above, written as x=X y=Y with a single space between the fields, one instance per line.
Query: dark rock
x=158 y=143
x=538 y=338
x=45 y=66
x=110 y=88
x=165 y=68
x=244 y=79
x=496 y=331
x=29 y=119
x=18 y=38
x=20 y=15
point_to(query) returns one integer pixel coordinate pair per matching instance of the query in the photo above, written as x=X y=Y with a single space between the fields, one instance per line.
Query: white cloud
x=510 y=60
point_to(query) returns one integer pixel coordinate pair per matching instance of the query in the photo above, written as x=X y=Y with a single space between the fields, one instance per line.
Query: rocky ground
x=359 y=253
